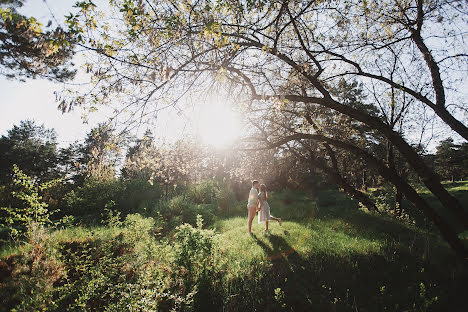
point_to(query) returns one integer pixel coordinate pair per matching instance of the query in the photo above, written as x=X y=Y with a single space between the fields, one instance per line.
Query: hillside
x=327 y=256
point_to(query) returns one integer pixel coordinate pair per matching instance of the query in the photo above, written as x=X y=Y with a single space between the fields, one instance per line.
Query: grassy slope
x=327 y=256
x=329 y=252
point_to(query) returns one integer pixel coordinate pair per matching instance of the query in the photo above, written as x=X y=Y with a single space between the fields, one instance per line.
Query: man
x=252 y=203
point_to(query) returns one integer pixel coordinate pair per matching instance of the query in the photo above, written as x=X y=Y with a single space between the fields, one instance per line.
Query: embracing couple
x=258 y=203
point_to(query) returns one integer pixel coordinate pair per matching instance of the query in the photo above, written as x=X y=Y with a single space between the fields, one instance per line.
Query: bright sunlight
x=216 y=123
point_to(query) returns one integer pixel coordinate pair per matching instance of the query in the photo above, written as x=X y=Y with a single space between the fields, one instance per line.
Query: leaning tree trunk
x=410 y=193
x=333 y=175
x=427 y=175
x=347 y=187
x=429 y=178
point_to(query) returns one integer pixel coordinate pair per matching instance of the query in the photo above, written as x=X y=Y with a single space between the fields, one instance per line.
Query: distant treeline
x=130 y=175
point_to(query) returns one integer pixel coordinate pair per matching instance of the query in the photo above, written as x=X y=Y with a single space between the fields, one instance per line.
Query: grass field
x=327 y=256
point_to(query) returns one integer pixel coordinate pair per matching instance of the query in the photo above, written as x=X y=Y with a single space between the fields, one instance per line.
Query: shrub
x=225 y=198
x=137 y=228
x=193 y=248
x=91 y=198
x=180 y=210
x=194 y=266
x=203 y=193
x=138 y=195
x=30 y=285
x=34 y=209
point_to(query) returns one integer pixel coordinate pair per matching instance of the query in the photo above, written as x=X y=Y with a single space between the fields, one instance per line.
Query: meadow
x=328 y=255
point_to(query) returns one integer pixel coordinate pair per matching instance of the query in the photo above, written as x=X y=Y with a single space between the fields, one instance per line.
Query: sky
x=34 y=99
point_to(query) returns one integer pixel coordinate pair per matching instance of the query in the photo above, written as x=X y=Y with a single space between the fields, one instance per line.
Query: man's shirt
x=253 y=198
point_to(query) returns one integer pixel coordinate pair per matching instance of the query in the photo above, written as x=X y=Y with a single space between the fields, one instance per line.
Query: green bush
x=180 y=209
x=34 y=273
x=137 y=229
x=225 y=198
x=195 y=266
x=203 y=193
x=138 y=195
x=193 y=248
x=90 y=199
x=214 y=193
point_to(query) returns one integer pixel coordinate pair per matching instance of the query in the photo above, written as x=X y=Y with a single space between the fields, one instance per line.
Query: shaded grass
x=331 y=256
x=72 y=234
x=327 y=256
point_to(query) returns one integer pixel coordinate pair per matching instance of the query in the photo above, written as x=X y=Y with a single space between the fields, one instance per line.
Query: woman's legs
x=276 y=219
x=266 y=225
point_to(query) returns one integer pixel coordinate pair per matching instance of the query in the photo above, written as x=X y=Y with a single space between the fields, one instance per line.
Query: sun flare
x=217 y=124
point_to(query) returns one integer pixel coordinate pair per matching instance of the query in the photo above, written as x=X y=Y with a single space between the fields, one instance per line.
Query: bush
x=203 y=193
x=30 y=284
x=137 y=228
x=194 y=266
x=225 y=198
x=90 y=199
x=180 y=210
x=138 y=196
x=215 y=193
x=193 y=248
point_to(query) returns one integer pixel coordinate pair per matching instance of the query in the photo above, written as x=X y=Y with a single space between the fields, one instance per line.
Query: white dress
x=264 y=214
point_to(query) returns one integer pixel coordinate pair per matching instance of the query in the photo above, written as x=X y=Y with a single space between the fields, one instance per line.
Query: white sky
x=34 y=99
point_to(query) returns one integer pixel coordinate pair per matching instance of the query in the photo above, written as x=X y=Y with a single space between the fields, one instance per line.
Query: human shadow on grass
x=287 y=283
x=355 y=279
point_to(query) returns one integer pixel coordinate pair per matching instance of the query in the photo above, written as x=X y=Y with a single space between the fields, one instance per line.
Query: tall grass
x=327 y=256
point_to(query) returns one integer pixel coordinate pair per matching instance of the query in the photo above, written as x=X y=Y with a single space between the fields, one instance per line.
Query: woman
x=264 y=208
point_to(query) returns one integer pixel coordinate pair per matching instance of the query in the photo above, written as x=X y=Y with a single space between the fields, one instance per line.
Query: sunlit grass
x=327 y=253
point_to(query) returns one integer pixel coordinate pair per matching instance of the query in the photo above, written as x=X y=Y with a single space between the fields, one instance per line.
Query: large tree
x=281 y=53
x=29 y=49
x=32 y=147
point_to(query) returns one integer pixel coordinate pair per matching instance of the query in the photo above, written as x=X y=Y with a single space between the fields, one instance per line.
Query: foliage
x=203 y=193
x=137 y=229
x=180 y=209
x=225 y=198
x=30 y=146
x=193 y=247
x=138 y=195
x=101 y=153
x=339 y=259
x=30 y=50
x=299 y=53
x=36 y=272
x=450 y=160
x=195 y=263
x=91 y=198
x=168 y=164
x=35 y=210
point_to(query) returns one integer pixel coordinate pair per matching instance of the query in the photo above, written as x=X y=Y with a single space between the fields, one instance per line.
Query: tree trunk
x=364 y=180
x=407 y=190
x=391 y=175
x=351 y=191
x=429 y=178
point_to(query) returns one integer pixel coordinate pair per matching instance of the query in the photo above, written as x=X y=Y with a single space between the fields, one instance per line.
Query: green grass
x=340 y=257
x=460 y=190
x=327 y=256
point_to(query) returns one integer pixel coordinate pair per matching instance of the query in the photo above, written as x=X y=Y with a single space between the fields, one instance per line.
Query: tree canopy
x=29 y=49
x=286 y=59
